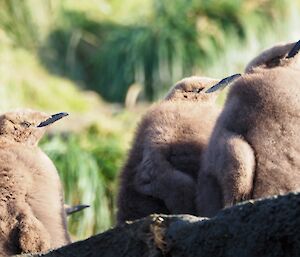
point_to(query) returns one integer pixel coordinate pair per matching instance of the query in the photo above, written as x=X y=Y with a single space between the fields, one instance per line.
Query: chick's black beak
x=294 y=50
x=76 y=208
x=223 y=83
x=53 y=118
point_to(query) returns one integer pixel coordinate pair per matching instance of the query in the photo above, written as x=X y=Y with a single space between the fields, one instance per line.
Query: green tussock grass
x=174 y=39
x=88 y=166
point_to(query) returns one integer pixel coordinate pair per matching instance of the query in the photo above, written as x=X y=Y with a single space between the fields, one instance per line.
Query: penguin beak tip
x=52 y=119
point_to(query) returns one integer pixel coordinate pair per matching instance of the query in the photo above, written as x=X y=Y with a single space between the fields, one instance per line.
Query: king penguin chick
x=254 y=150
x=161 y=170
x=32 y=217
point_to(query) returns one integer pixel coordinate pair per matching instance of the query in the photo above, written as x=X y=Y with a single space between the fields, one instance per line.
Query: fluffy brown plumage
x=32 y=217
x=254 y=150
x=160 y=173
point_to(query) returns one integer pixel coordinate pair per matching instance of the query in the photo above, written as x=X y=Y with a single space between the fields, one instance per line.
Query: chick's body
x=254 y=150
x=32 y=217
x=160 y=173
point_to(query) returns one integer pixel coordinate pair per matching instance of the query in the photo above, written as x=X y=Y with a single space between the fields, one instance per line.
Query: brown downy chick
x=161 y=170
x=254 y=150
x=32 y=217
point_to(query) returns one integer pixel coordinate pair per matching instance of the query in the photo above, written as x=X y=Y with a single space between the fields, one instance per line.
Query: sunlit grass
x=24 y=83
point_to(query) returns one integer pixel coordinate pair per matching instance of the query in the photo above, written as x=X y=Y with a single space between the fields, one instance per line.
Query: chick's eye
x=26 y=124
x=197 y=90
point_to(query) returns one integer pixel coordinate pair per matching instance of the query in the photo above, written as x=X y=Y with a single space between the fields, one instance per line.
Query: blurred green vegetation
x=175 y=39
x=99 y=47
x=25 y=83
x=53 y=52
x=91 y=164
